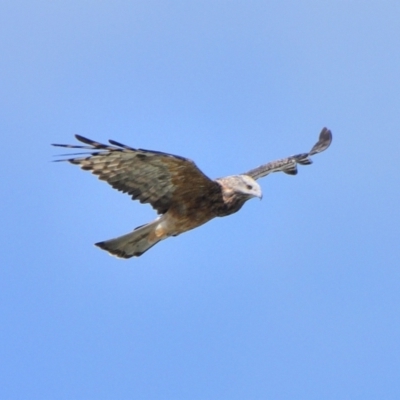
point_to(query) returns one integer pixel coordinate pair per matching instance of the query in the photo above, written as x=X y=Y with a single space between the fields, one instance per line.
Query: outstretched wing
x=289 y=165
x=148 y=176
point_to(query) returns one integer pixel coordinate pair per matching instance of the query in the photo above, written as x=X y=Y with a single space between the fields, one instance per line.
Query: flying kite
x=183 y=196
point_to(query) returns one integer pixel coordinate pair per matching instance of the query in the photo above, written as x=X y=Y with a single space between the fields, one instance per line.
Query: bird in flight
x=183 y=196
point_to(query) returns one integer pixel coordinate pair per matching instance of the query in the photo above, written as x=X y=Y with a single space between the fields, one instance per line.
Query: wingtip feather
x=83 y=139
x=324 y=141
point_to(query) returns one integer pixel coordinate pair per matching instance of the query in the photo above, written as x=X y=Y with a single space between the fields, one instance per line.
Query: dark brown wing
x=289 y=164
x=148 y=176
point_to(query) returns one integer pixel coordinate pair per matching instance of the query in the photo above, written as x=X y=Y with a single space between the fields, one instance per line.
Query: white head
x=242 y=185
x=250 y=186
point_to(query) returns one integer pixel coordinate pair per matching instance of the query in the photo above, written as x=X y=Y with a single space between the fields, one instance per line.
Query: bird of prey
x=183 y=196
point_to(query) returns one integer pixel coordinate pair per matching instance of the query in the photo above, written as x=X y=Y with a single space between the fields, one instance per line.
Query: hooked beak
x=259 y=194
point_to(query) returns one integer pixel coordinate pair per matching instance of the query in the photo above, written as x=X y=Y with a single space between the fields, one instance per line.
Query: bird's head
x=249 y=187
x=242 y=185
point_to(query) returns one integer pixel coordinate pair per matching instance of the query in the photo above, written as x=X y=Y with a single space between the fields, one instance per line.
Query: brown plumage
x=175 y=187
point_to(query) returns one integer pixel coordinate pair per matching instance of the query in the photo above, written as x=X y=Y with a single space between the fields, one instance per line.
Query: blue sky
x=294 y=297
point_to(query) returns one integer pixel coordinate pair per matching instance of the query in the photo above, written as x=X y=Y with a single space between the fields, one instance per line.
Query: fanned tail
x=133 y=244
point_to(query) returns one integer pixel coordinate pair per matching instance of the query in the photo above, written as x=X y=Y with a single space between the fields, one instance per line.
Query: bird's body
x=184 y=197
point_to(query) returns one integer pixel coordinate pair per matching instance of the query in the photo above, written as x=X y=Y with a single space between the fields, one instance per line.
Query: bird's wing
x=289 y=165
x=148 y=176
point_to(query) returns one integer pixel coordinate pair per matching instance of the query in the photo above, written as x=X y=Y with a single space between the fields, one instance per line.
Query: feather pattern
x=148 y=176
x=289 y=165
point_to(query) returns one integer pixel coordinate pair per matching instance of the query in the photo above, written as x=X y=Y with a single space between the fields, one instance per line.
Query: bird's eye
x=249 y=187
